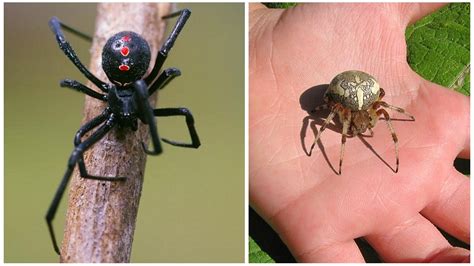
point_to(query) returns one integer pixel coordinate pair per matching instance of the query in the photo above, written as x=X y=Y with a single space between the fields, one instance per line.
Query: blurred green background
x=192 y=205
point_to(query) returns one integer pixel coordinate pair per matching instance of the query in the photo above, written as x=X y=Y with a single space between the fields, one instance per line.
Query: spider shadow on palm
x=309 y=100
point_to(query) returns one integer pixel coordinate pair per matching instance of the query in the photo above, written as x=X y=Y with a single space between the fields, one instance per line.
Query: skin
x=316 y=212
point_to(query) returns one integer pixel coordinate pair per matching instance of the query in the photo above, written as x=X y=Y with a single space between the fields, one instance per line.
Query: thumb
x=411 y=12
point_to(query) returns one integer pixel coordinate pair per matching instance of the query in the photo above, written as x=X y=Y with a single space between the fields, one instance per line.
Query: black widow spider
x=125 y=60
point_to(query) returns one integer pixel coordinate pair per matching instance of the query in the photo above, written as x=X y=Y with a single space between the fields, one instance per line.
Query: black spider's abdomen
x=125 y=57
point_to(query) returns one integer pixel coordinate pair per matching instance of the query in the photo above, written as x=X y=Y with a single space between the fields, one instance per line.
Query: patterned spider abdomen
x=125 y=57
x=355 y=90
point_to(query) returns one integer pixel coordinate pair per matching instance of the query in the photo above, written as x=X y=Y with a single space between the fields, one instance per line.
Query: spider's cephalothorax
x=356 y=98
x=125 y=60
x=125 y=57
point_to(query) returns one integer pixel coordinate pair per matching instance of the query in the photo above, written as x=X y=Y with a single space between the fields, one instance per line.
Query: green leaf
x=439 y=47
x=257 y=255
x=279 y=5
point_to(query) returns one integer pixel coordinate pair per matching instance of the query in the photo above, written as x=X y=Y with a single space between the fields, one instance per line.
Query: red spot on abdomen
x=126 y=38
x=124 y=51
x=124 y=68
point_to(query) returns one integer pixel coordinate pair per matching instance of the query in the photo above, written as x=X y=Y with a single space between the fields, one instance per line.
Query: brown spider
x=357 y=98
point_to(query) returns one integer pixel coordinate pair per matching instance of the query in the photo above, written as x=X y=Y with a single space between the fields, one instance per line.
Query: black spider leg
x=76 y=85
x=163 y=79
x=73 y=84
x=82 y=131
x=168 y=44
x=146 y=112
x=76 y=32
x=75 y=156
x=77 y=141
x=55 y=26
x=195 y=143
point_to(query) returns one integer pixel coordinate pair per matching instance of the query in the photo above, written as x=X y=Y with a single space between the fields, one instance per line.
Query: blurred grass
x=191 y=209
x=439 y=50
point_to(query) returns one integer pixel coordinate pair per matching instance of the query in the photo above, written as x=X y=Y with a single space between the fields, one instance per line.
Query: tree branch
x=101 y=214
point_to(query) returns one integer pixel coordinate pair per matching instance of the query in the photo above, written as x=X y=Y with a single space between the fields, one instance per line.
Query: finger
x=414 y=240
x=452 y=254
x=463 y=122
x=321 y=224
x=450 y=209
x=336 y=252
x=411 y=12
x=262 y=16
x=456 y=114
x=465 y=152
x=256 y=6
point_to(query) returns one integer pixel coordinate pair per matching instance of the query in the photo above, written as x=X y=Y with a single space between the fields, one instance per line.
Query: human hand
x=316 y=212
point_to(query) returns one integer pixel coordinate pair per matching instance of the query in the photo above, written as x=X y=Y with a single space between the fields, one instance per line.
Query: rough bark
x=101 y=214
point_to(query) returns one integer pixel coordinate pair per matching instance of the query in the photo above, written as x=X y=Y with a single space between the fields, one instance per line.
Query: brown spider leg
x=345 y=128
x=398 y=109
x=321 y=107
x=394 y=136
x=337 y=107
x=386 y=105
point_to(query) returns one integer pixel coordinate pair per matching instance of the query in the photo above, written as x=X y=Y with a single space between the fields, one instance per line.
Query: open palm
x=317 y=213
